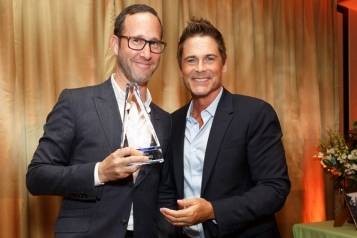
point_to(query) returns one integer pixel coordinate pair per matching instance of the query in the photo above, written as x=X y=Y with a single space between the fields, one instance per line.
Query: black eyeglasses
x=137 y=43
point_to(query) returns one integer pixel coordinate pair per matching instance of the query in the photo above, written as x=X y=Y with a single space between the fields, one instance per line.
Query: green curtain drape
x=281 y=51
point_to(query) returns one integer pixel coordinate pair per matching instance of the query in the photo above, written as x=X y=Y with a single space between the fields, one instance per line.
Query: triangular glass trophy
x=153 y=151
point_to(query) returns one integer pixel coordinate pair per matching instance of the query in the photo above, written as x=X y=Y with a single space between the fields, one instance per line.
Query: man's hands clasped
x=191 y=211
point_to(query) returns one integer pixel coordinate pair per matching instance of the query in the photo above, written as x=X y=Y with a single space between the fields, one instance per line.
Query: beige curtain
x=280 y=51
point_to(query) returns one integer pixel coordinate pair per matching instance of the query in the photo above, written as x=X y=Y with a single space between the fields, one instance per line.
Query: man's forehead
x=200 y=45
x=142 y=24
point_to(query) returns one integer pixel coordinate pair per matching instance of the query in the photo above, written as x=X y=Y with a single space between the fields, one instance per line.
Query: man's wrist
x=97 y=181
x=211 y=211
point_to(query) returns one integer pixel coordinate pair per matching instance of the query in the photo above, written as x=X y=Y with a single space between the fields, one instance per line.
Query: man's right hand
x=120 y=164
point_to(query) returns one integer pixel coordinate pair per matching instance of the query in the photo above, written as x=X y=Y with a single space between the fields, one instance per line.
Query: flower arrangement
x=339 y=157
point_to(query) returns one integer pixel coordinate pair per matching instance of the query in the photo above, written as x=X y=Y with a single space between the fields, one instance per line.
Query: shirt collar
x=210 y=110
x=120 y=94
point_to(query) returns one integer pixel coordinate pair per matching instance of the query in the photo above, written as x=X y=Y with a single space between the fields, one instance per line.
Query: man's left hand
x=191 y=211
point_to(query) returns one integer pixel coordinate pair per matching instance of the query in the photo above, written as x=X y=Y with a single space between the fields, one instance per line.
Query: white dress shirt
x=138 y=134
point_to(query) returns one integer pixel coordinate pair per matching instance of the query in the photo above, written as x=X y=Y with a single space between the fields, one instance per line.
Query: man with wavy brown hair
x=227 y=164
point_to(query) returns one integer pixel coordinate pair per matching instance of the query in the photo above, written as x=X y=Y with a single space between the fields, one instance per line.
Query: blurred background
x=298 y=55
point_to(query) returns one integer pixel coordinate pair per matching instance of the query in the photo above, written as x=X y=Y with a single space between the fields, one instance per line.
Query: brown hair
x=131 y=10
x=201 y=27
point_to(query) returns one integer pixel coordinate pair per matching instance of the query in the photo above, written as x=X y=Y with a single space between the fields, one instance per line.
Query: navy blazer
x=244 y=174
x=83 y=128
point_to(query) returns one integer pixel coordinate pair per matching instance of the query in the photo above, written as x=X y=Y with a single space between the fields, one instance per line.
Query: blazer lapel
x=108 y=113
x=155 y=120
x=221 y=121
x=178 y=147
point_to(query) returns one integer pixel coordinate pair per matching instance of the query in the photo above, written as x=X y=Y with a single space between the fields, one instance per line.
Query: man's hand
x=192 y=211
x=120 y=164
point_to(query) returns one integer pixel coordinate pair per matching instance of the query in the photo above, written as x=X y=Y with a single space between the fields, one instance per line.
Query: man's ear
x=224 y=69
x=179 y=67
x=180 y=72
x=114 y=44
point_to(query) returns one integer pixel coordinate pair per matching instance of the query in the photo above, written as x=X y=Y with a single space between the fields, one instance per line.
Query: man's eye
x=191 y=60
x=137 y=41
x=155 y=44
x=210 y=59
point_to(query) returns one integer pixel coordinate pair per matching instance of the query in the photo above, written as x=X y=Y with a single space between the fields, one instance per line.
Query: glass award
x=153 y=150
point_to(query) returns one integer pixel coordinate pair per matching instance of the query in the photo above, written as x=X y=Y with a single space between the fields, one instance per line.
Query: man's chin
x=141 y=81
x=199 y=92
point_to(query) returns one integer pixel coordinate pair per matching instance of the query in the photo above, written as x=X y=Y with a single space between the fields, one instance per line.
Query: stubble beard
x=130 y=75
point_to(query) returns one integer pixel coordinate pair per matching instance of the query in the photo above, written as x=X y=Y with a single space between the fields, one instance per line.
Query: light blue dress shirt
x=194 y=153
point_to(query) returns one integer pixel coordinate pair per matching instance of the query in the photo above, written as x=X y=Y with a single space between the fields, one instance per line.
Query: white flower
x=353 y=155
x=348 y=171
x=352 y=169
x=328 y=157
x=320 y=155
x=330 y=151
x=337 y=158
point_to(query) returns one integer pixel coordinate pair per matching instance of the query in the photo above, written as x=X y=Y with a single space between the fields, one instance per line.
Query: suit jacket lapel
x=108 y=113
x=221 y=121
x=155 y=120
x=178 y=147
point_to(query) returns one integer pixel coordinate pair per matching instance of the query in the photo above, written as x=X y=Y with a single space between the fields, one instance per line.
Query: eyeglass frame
x=150 y=42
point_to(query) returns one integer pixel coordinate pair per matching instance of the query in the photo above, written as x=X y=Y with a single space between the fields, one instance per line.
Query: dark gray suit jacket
x=244 y=174
x=83 y=128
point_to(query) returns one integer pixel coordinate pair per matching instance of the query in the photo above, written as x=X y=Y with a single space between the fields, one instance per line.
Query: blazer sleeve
x=51 y=171
x=266 y=161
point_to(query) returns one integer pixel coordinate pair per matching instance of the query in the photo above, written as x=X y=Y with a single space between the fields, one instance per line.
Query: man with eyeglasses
x=106 y=192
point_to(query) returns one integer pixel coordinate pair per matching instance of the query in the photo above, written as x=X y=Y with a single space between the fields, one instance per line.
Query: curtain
x=281 y=51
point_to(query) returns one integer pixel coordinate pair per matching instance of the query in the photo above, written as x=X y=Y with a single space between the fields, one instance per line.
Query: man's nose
x=145 y=52
x=200 y=66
